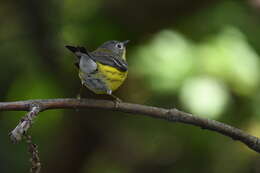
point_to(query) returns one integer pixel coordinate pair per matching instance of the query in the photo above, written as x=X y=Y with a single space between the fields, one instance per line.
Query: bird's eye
x=119 y=46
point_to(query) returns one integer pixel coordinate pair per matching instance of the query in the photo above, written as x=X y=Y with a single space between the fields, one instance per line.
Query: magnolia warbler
x=103 y=70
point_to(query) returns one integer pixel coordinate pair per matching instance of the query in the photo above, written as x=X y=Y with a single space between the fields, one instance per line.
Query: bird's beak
x=125 y=42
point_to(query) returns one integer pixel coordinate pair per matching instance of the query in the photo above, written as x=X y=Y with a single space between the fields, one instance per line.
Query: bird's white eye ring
x=119 y=46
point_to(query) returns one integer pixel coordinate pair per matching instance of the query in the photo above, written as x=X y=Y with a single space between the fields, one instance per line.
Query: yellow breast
x=112 y=76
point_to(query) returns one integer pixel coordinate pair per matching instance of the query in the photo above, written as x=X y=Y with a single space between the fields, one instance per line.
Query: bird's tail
x=76 y=49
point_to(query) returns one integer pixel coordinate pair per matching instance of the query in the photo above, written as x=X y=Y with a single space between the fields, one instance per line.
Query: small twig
x=25 y=123
x=35 y=158
x=172 y=115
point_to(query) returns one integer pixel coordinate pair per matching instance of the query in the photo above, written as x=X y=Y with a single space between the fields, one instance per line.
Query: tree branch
x=25 y=123
x=172 y=115
x=35 y=158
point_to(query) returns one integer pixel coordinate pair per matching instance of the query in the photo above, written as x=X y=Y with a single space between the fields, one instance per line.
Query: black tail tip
x=76 y=49
x=71 y=48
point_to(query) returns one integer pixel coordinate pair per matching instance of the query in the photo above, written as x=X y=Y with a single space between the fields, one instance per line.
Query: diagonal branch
x=25 y=123
x=172 y=115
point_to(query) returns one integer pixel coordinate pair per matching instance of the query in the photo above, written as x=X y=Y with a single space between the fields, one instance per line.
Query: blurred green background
x=199 y=56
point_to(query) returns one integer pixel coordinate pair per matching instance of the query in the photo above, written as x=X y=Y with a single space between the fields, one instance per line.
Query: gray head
x=116 y=47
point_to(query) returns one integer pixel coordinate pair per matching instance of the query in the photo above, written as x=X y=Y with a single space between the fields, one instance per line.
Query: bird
x=103 y=70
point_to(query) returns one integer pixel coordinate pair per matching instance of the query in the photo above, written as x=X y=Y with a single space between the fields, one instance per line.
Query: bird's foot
x=116 y=100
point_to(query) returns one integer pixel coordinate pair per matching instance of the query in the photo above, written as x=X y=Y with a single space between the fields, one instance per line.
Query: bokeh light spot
x=204 y=96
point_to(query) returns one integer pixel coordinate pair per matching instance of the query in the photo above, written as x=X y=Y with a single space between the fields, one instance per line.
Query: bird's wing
x=101 y=57
x=107 y=59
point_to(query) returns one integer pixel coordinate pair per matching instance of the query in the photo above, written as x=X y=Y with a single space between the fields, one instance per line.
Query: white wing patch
x=87 y=65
